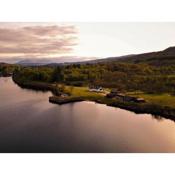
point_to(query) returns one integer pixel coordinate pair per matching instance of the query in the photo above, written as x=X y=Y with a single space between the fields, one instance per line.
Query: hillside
x=160 y=58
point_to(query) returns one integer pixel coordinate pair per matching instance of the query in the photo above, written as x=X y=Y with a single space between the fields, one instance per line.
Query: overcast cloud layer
x=36 y=41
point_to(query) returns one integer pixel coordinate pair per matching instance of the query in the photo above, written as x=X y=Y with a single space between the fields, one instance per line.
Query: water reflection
x=158 y=117
x=29 y=123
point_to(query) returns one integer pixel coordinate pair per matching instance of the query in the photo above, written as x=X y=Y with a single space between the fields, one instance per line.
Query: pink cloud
x=37 y=40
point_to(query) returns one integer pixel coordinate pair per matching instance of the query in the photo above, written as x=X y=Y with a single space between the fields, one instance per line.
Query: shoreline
x=145 y=108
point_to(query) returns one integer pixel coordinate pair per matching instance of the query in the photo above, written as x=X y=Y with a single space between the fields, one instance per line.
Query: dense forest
x=123 y=76
x=7 y=69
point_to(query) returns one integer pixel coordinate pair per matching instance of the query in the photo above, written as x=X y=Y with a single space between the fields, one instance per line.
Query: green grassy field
x=82 y=91
x=159 y=99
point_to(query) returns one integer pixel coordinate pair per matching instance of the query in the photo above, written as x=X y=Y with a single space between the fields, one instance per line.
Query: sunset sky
x=83 y=40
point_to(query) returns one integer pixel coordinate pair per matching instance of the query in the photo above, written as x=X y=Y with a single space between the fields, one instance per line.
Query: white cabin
x=96 y=89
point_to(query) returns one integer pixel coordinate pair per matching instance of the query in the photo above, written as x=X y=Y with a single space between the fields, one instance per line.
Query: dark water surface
x=29 y=123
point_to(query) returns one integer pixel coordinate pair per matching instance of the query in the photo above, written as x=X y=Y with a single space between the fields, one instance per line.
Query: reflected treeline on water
x=160 y=118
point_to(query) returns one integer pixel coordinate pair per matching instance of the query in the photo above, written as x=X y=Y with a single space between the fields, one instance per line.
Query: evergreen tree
x=58 y=74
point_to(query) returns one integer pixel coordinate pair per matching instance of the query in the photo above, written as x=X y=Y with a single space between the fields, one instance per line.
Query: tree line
x=122 y=76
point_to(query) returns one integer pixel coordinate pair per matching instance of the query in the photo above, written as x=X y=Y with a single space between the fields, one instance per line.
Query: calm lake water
x=29 y=123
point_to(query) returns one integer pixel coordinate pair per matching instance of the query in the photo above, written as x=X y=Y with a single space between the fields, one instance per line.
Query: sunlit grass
x=82 y=91
x=159 y=99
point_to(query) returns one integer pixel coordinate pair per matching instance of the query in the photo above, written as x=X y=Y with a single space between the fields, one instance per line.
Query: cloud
x=37 y=40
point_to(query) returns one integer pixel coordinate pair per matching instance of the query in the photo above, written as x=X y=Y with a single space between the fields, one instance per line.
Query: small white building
x=96 y=89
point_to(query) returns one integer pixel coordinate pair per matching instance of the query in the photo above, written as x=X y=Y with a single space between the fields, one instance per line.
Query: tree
x=58 y=74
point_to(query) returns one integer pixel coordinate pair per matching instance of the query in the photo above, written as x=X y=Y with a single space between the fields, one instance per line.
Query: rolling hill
x=160 y=58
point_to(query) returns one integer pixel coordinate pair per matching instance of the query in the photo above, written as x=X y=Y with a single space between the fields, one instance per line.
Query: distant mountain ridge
x=47 y=61
x=164 y=57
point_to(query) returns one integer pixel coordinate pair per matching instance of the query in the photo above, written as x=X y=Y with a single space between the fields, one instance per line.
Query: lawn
x=159 y=99
x=82 y=91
